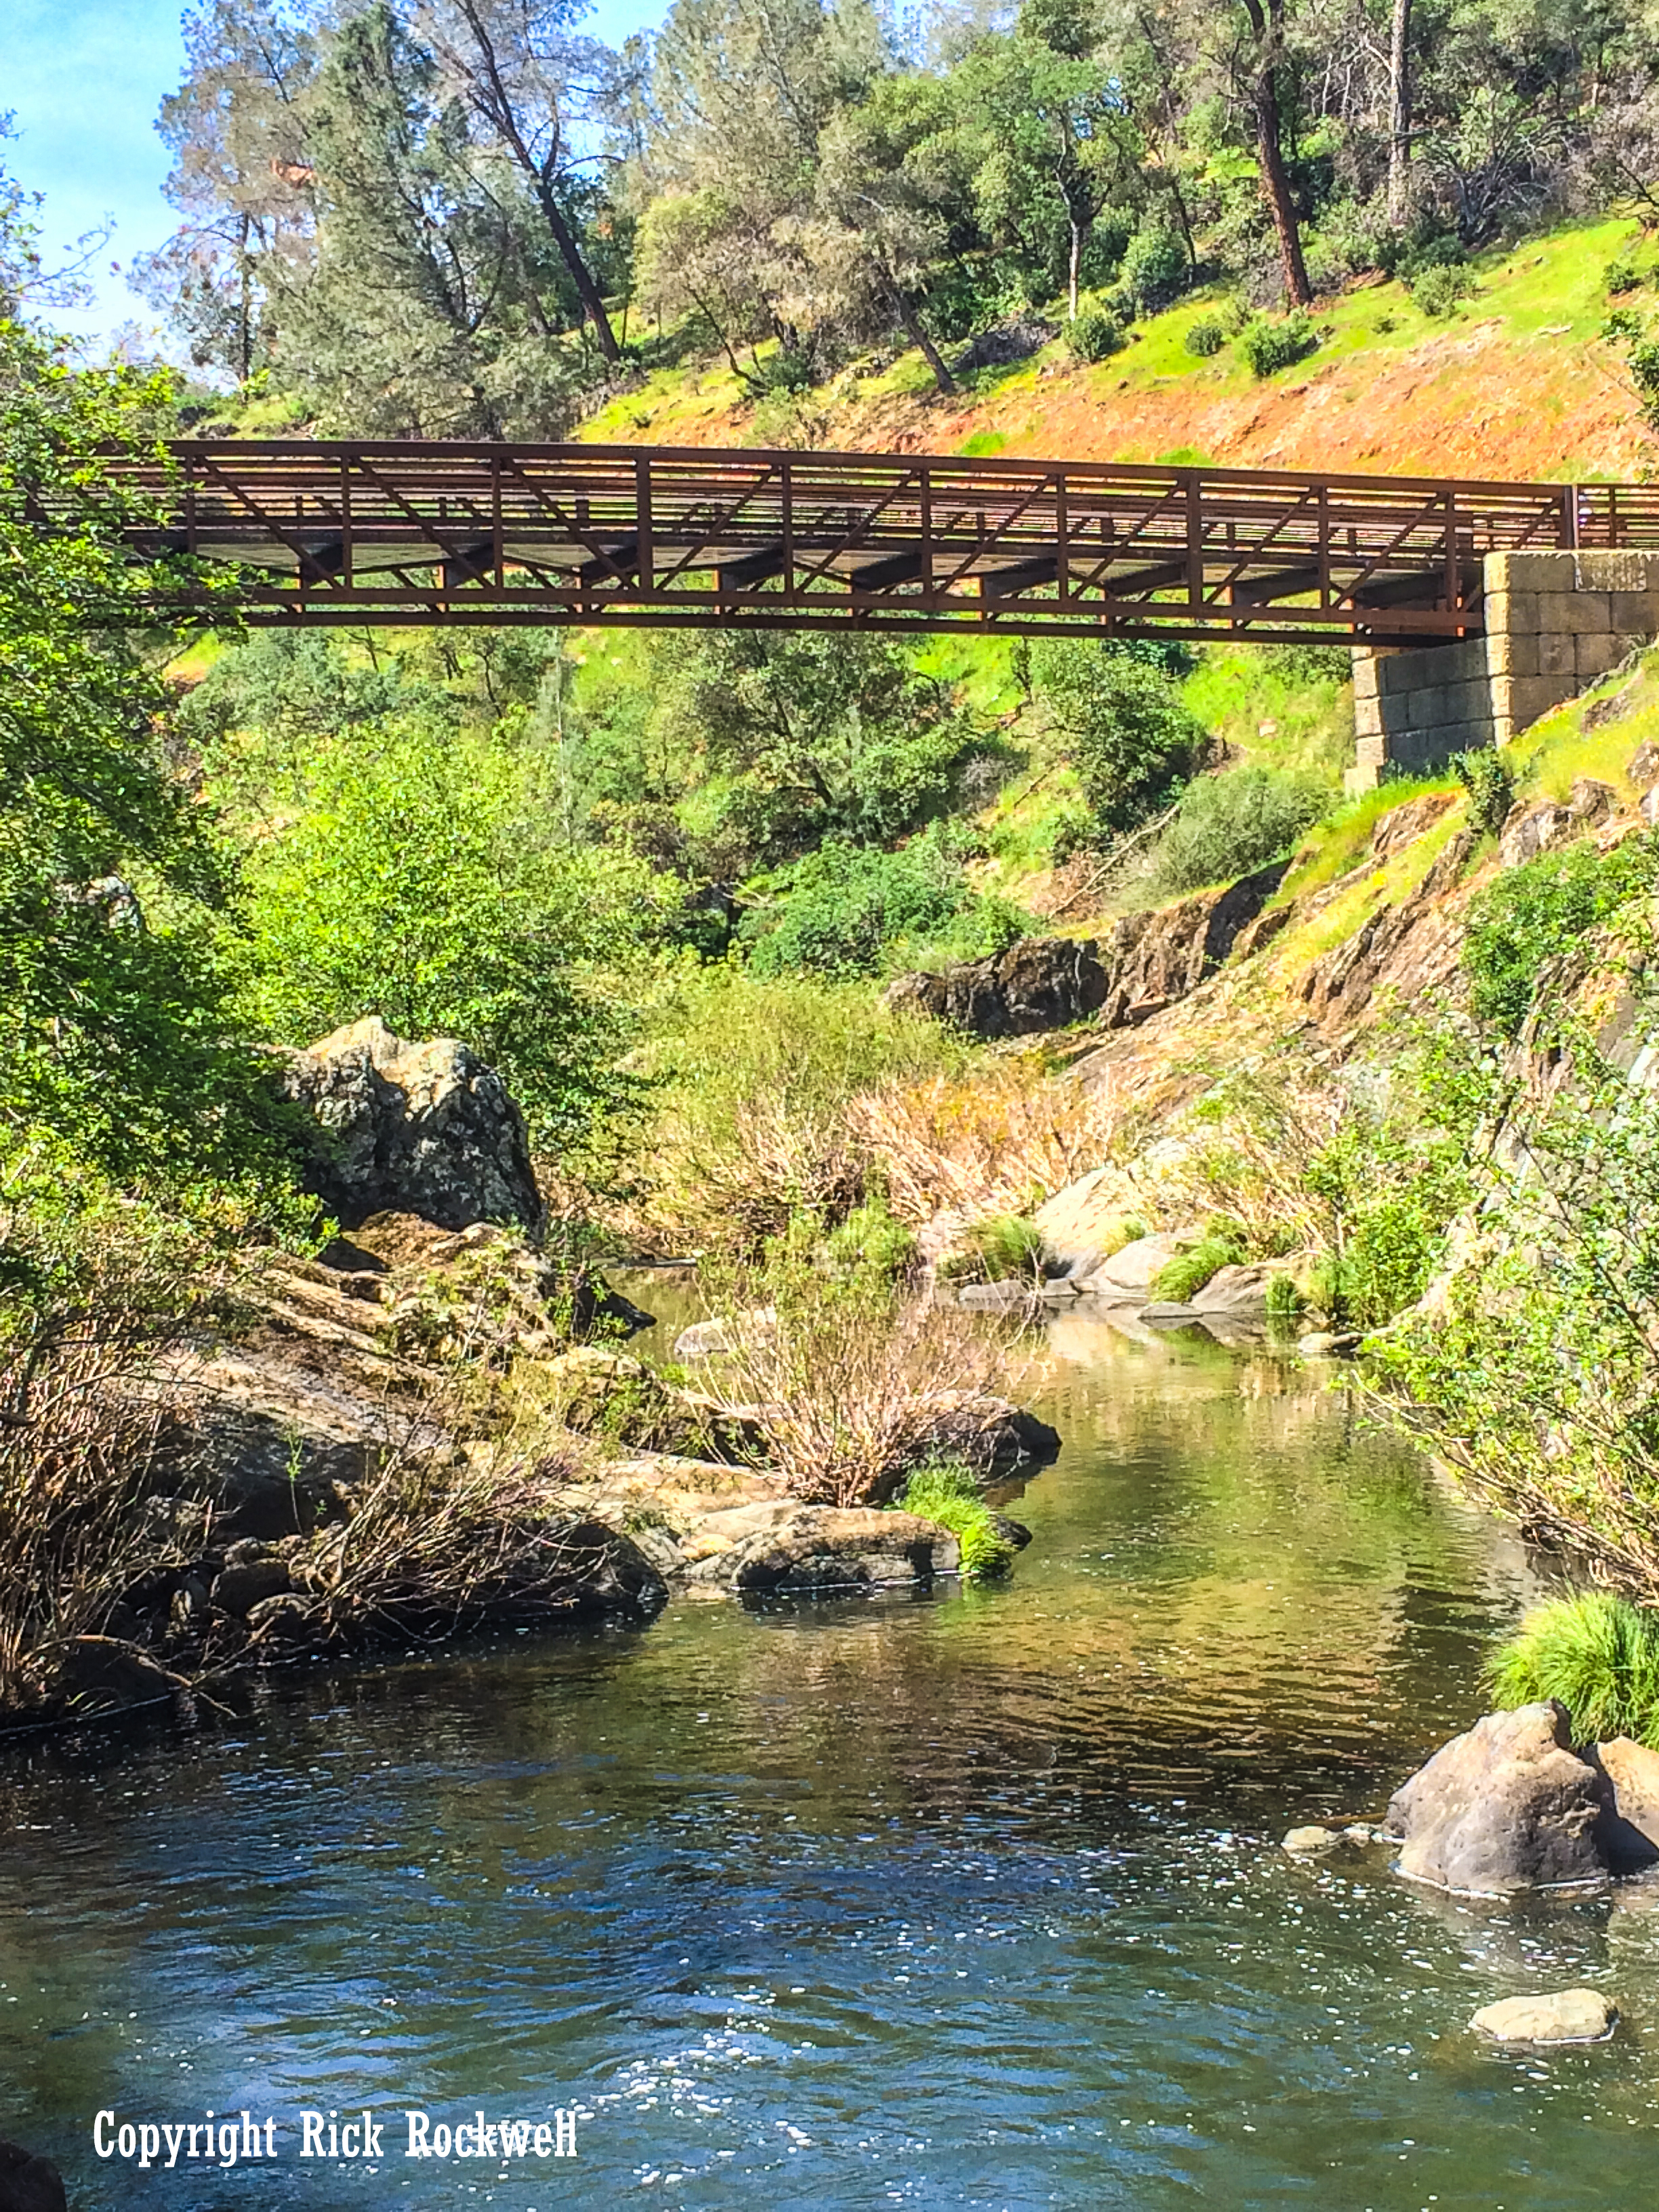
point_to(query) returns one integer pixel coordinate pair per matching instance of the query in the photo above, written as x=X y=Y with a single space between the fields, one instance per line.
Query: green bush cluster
x=1438 y=288
x=1485 y=776
x=869 y=1241
x=1543 y=908
x=1132 y=740
x=947 y=1491
x=1157 y=266
x=1229 y=825
x=1184 y=1276
x=1597 y=1653
x=1269 y=346
x=844 y=908
x=1205 y=337
x=1000 y=1248
x=1095 y=334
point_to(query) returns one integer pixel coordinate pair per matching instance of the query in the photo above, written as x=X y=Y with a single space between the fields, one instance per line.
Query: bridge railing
x=366 y=531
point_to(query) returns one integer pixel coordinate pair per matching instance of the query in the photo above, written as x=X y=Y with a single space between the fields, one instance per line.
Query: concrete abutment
x=1554 y=622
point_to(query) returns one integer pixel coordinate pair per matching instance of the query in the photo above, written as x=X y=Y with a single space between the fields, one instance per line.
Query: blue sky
x=84 y=79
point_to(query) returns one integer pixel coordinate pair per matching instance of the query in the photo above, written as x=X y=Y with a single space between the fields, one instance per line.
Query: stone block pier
x=1554 y=621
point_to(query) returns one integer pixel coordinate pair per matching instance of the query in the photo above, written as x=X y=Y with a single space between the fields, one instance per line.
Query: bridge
x=369 y=532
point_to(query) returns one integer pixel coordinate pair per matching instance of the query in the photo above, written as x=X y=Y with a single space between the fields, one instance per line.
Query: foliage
x=1205 y=338
x=799 y=739
x=871 y=1241
x=1594 y=1651
x=115 y=886
x=848 y=909
x=1269 y=345
x=1222 y=1245
x=945 y=1491
x=1534 y=1370
x=1539 y=911
x=998 y=1249
x=1438 y=288
x=751 y=1079
x=416 y=879
x=1095 y=335
x=1132 y=741
x=1157 y=266
x=1229 y=825
x=858 y=1379
x=1485 y=776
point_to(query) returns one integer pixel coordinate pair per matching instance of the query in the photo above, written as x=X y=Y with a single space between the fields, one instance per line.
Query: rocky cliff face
x=426 y=1129
x=1143 y=963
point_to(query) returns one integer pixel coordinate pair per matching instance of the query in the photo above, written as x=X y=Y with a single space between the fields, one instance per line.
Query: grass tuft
x=1597 y=1653
x=945 y=1491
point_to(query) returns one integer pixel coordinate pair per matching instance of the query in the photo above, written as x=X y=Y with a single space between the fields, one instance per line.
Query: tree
x=417 y=879
x=1399 y=109
x=1132 y=740
x=114 y=886
x=1261 y=67
x=1059 y=143
x=527 y=77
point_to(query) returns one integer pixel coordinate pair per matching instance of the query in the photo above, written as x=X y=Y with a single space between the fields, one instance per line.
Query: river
x=972 y=1898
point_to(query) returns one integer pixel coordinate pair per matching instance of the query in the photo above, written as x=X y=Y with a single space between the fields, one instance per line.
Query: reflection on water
x=969 y=1900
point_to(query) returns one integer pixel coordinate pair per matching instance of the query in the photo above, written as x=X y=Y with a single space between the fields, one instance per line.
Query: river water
x=966 y=1899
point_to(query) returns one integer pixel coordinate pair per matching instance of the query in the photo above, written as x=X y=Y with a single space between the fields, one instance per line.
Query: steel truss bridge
x=368 y=532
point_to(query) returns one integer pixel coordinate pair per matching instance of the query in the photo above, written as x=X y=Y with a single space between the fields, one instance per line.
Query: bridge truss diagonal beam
x=382 y=531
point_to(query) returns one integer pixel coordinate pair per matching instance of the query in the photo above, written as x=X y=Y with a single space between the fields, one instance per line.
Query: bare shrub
x=853 y=1384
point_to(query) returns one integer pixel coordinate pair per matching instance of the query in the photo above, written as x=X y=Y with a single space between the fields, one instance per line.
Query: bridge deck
x=377 y=531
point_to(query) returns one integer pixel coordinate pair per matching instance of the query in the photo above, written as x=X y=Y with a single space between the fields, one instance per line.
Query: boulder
x=420 y=1129
x=1310 y=1842
x=1040 y=983
x=1084 y=1225
x=830 y=1548
x=90 y=1677
x=1012 y=1294
x=1508 y=1806
x=1403 y=825
x=1238 y=1293
x=1628 y=1836
x=251 y=1573
x=28 y=2184
x=1534 y=827
x=1643 y=766
x=1568 y=2016
x=1128 y=1275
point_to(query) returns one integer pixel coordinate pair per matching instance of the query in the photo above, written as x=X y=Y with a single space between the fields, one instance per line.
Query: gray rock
x=1239 y=1292
x=1130 y=1274
x=1568 y=2016
x=820 y=1547
x=1643 y=766
x=1508 y=1806
x=1627 y=1836
x=1007 y=1296
x=426 y=1129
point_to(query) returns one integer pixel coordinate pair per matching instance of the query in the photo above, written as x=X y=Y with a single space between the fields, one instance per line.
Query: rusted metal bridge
x=376 y=531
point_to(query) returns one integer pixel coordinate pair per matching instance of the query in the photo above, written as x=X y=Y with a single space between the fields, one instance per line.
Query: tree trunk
x=1400 y=111
x=1270 y=152
x=918 y=336
x=580 y=275
x=1071 y=274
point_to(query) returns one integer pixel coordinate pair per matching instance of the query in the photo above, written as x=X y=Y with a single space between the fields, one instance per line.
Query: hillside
x=1514 y=382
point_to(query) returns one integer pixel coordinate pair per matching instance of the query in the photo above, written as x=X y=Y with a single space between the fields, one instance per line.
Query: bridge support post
x=1554 y=623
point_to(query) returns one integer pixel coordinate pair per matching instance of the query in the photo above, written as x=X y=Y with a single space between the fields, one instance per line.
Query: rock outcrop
x=824 y=1548
x=1144 y=963
x=28 y=2184
x=426 y=1129
x=1511 y=1805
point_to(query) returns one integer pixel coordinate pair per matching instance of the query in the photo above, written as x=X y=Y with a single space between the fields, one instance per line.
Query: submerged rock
x=1309 y=1842
x=830 y=1547
x=1508 y=1806
x=28 y=2184
x=1568 y=2016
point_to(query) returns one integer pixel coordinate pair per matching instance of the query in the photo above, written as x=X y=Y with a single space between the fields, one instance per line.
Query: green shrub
x=846 y=907
x=1543 y=908
x=1269 y=346
x=1597 y=1653
x=1205 y=337
x=999 y=1248
x=1438 y=289
x=1619 y=277
x=1485 y=775
x=1229 y=825
x=1133 y=742
x=1286 y=1303
x=946 y=1492
x=872 y=1242
x=1185 y=1276
x=1310 y=664
x=1095 y=335
x=1156 y=267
